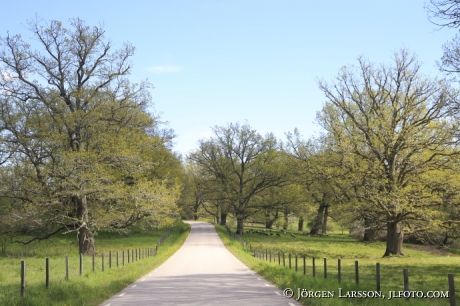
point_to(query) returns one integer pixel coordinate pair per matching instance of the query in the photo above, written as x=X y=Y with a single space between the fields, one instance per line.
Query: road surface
x=201 y=272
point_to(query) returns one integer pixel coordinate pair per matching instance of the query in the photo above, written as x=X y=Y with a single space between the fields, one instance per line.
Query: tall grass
x=426 y=271
x=91 y=288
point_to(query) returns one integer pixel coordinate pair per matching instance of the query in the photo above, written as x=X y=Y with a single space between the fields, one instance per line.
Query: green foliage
x=83 y=151
x=391 y=129
x=243 y=164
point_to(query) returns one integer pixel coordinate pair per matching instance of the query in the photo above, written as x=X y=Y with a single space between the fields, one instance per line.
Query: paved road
x=201 y=272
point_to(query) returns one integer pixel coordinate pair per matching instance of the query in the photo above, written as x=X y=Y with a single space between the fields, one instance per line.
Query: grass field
x=427 y=272
x=90 y=288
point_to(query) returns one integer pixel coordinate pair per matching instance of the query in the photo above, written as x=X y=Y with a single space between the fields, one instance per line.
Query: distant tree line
x=387 y=160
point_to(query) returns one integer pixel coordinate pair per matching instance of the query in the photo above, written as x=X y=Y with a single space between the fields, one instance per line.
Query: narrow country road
x=201 y=272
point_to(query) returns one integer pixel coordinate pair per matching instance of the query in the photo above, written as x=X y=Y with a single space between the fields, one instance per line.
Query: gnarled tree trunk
x=86 y=241
x=317 y=226
x=85 y=236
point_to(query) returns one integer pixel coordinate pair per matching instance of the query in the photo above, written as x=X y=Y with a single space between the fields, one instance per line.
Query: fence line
x=261 y=255
x=141 y=253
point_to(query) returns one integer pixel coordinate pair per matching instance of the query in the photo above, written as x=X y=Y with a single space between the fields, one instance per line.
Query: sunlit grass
x=426 y=271
x=90 y=288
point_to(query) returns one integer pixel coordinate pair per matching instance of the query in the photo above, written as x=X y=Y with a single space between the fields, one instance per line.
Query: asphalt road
x=201 y=272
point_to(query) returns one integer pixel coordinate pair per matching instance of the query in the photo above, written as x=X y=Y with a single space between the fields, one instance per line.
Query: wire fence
x=300 y=264
x=100 y=262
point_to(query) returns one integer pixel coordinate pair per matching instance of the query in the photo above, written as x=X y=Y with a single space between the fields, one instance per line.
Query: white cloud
x=164 y=69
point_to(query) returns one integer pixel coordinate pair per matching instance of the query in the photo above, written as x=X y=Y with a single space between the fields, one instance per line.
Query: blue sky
x=216 y=62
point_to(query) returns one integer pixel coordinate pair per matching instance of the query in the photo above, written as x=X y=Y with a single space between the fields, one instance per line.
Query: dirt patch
x=431 y=249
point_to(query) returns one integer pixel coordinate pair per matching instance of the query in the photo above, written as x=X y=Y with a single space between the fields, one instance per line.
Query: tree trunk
x=444 y=242
x=300 y=227
x=269 y=222
x=370 y=231
x=86 y=241
x=370 y=235
x=325 y=217
x=196 y=207
x=223 y=219
x=239 y=225
x=318 y=222
x=218 y=214
x=394 y=238
x=286 y=220
x=85 y=236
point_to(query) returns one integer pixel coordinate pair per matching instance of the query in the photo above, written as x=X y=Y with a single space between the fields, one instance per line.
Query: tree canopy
x=244 y=163
x=392 y=126
x=76 y=139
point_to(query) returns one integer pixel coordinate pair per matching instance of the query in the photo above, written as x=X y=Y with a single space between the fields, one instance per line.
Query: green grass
x=426 y=271
x=91 y=288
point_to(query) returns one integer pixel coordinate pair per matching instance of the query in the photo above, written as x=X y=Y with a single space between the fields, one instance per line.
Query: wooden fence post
x=110 y=259
x=102 y=261
x=325 y=268
x=406 y=281
x=313 y=266
x=67 y=268
x=47 y=272
x=356 y=272
x=377 y=275
x=339 y=270
x=289 y=260
x=296 y=262
x=304 y=265
x=451 y=289
x=23 y=278
x=93 y=261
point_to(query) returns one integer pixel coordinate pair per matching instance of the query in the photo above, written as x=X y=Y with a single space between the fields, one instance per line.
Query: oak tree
x=391 y=125
x=244 y=163
x=76 y=138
